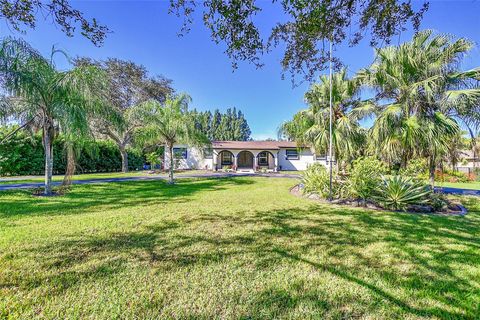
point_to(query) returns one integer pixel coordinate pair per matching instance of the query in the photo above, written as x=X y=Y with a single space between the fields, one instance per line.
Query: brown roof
x=253 y=145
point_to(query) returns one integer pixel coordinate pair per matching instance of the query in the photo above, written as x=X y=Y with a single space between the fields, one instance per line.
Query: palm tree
x=421 y=97
x=311 y=126
x=169 y=123
x=47 y=99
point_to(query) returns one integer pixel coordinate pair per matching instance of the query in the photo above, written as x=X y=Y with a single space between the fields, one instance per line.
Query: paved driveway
x=13 y=186
x=30 y=185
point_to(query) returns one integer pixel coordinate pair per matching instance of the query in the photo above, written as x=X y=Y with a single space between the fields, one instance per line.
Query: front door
x=245 y=160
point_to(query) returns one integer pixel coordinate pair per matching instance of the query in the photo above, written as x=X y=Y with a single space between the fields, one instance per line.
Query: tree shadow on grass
x=110 y=196
x=427 y=254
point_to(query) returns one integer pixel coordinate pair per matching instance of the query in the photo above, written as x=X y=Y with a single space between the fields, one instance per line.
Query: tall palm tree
x=169 y=123
x=48 y=99
x=422 y=97
x=311 y=126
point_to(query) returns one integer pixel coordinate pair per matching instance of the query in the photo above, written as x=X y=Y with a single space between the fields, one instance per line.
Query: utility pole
x=330 y=196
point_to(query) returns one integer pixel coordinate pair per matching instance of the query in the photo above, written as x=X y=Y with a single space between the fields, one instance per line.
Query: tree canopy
x=129 y=85
x=230 y=125
x=24 y=13
x=302 y=30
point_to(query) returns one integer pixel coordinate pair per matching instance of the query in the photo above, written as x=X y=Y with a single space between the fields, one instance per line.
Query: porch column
x=255 y=162
x=275 y=168
x=214 y=162
x=235 y=164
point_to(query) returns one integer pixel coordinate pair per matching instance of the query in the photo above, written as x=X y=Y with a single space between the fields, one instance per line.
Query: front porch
x=245 y=160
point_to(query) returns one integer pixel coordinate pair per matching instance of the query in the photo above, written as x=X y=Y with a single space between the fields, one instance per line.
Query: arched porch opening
x=225 y=158
x=245 y=160
x=266 y=159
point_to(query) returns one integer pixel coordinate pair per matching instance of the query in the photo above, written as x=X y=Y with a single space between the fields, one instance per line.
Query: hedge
x=24 y=155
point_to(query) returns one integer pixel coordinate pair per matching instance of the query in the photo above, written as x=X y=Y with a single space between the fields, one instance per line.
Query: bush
x=437 y=201
x=365 y=177
x=397 y=193
x=316 y=179
x=23 y=155
x=416 y=168
x=451 y=176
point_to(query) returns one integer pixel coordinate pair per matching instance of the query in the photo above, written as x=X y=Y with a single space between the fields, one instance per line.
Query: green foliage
x=416 y=168
x=153 y=158
x=437 y=201
x=398 y=192
x=429 y=96
x=230 y=125
x=23 y=154
x=302 y=27
x=451 y=176
x=365 y=177
x=23 y=13
x=316 y=179
x=312 y=126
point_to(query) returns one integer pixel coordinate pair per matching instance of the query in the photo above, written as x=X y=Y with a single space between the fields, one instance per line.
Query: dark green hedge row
x=24 y=155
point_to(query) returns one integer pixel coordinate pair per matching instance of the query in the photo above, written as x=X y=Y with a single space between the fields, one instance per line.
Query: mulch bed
x=453 y=208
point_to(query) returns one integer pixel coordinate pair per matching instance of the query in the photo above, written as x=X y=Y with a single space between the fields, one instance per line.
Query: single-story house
x=245 y=156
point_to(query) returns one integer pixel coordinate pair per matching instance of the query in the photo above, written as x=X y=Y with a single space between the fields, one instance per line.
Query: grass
x=240 y=248
x=89 y=176
x=474 y=185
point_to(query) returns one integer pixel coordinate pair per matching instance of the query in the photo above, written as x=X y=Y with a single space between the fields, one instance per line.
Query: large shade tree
x=169 y=123
x=311 y=127
x=422 y=96
x=47 y=99
x=303 y=29
x=129 y=86
x=25 y=13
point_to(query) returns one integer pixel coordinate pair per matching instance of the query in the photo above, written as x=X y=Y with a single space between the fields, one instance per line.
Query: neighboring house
x=245 y=156
x=469 y=162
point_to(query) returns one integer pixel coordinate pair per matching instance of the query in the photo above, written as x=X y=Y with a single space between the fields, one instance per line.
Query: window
x=180 y=153
x=292 y=154
x=208 y=153
x=227 y=158
x=263 y=158
x=321 y=157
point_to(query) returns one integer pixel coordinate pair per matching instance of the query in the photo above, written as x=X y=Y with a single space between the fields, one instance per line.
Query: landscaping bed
x=452 y=208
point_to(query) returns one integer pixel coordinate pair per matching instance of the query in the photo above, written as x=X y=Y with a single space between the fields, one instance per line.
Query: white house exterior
x=244 y=156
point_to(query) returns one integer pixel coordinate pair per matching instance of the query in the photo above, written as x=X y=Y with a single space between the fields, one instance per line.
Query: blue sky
x=144 y=33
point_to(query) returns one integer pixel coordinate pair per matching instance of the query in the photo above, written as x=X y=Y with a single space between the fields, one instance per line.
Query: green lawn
x=88 y=176
x=475 y=185
x=240 y=248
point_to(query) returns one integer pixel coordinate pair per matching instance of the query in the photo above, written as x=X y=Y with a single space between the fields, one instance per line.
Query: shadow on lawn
x=109 y=196
x=426 y=251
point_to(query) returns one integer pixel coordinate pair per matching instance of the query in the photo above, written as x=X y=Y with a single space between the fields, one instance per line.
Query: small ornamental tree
x=169 y=123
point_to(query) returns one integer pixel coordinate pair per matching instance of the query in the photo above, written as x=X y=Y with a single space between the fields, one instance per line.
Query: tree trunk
x=124 y=154
x=48 y=147
x=170 y=171
x=431 y=170
x=70 y=169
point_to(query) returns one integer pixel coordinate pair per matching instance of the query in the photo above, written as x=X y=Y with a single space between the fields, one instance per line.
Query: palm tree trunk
x=70 y=169
x=431 y=170
x=170 y=172
x=48 y=147
x=124 y=154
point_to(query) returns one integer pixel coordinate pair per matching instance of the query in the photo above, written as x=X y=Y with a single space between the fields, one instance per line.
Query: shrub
x=365 y=177
x=451 y=176
x=397 y=193
x=23 y=155
x=437 y=201
x=316 y=179
x=416 y=168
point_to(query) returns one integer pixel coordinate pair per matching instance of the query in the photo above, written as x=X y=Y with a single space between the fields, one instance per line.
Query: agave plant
x=397 y=193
